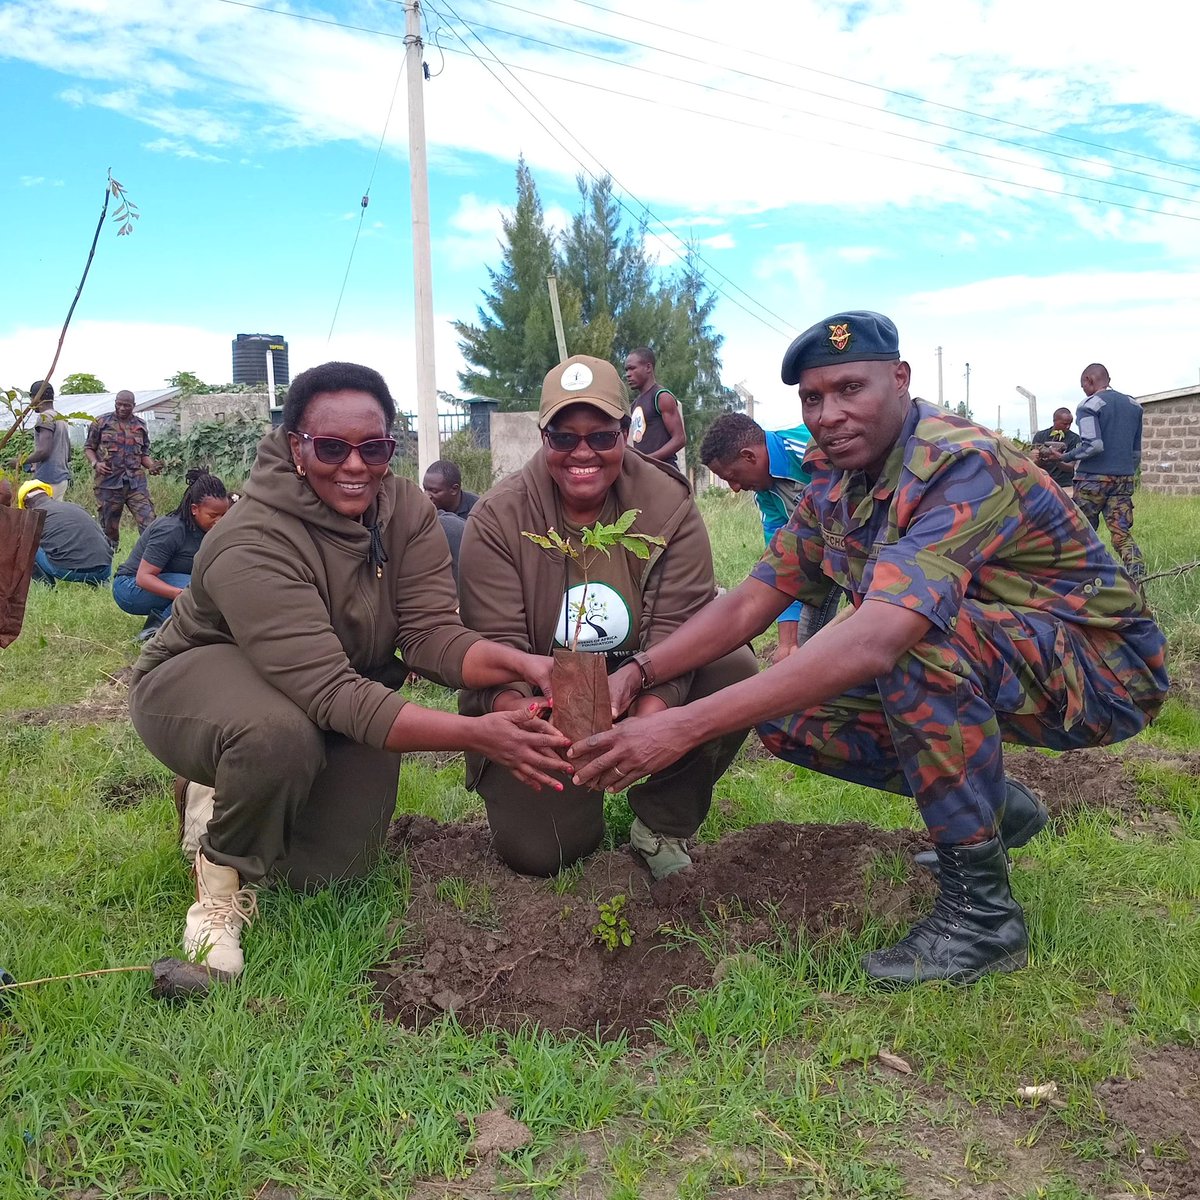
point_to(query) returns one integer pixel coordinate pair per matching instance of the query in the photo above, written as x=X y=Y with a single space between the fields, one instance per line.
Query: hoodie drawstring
x=377 y=555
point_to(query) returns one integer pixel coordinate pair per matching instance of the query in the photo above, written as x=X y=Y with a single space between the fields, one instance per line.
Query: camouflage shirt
x=121 y=444
x=958 y=512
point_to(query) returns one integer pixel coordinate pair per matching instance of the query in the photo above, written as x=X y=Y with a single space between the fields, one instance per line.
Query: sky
x=1013 y=183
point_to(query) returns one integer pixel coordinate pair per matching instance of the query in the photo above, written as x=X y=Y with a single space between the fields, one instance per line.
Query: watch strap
x=646 y=667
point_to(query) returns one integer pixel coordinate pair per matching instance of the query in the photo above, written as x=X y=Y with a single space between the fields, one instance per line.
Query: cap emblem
x=576 y=377
x=839 y=335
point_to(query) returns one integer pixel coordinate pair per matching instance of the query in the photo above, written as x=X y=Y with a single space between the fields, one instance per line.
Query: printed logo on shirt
x=637 y=425
x=605 y=619
x=839 y=335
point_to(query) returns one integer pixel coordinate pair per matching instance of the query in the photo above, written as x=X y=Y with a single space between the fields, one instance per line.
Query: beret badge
x=839 y=335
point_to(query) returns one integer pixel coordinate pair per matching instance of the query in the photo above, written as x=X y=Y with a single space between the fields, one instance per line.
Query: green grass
x=768 y=1078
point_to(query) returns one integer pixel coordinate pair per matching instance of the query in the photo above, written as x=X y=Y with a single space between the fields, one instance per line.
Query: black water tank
x=250 y=358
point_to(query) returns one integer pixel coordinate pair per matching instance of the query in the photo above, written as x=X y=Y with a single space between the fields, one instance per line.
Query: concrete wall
x=515 y=440
x=1171 y=445
x=195 y=410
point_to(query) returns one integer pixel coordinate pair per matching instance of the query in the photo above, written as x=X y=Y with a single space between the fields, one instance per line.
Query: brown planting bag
x=20 y=532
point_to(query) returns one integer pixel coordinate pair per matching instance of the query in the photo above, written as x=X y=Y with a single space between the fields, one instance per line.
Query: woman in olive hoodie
x=274 y=681
x=521 y=595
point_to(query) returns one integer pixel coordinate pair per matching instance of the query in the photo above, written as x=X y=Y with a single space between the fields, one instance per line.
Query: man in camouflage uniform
x=1106 y=461
x=118 y=447
x=985 y=610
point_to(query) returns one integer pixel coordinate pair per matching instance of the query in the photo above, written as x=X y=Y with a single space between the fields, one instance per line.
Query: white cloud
x=722 y=241
x=860 y=254
x=780 y=133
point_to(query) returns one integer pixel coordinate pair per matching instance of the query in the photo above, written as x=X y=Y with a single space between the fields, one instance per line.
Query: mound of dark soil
x=1094 y=779
x=502 y=949
x=1160 y=1106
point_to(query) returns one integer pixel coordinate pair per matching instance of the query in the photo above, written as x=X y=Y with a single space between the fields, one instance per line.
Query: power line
x=367 y=196
x=784 y=83
x=708 y=87
x=788 y=326
x=751 y=125
x=1014 y=183
x=692 y=253
x=1066 y=137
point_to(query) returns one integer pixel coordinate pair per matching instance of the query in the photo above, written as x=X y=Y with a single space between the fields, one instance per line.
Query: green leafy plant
x=226 y=448
x=595 y=540
x=613 y=929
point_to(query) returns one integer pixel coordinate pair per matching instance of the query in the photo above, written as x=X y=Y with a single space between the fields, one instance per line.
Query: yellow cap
x=32 y=485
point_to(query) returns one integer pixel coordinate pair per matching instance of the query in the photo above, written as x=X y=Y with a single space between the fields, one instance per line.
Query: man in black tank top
x=657 y=422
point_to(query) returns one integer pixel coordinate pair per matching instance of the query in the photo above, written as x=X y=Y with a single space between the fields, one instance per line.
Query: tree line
x=613 y=299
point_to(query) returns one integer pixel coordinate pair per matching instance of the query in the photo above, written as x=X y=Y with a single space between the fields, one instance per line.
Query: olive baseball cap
x=858 y=336
x=581 y=379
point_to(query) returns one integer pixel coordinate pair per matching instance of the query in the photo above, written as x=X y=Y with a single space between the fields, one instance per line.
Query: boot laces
x=233 y=912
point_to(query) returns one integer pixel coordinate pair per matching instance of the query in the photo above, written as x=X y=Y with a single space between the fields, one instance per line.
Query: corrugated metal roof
x=96 y=404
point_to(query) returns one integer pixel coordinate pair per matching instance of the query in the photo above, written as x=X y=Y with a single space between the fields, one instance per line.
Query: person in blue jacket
x=769 y=463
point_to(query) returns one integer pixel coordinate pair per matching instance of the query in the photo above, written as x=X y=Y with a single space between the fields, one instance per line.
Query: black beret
x=859 y=336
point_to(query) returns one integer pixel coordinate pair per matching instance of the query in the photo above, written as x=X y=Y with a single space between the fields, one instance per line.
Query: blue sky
x=1013 y=182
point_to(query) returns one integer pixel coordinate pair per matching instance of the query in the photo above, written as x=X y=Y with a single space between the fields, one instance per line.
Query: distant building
x=158 y=407
x=250 y=352
x=1171 y=441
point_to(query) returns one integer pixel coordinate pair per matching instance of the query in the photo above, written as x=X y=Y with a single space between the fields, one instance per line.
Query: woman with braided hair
x=160 y=567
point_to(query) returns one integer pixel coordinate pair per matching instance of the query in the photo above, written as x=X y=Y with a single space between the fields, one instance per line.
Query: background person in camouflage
x=1106 y=461
x=118 y=447
x=985 y=610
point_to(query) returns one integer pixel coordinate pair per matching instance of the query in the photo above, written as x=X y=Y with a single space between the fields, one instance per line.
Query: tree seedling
x=580 y=680
x=613 y=929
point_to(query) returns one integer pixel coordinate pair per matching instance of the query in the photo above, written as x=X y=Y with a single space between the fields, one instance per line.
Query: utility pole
x=968 y=405
x=941 y=399
x=1033 y=421
x=428 y=442
x=747 y=398
x=556 y=313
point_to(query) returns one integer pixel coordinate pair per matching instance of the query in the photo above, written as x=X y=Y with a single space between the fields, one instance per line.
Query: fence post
x=481 y=421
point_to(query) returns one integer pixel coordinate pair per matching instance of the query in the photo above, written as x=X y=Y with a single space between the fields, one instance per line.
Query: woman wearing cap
x=273 y=682
x=521 y=595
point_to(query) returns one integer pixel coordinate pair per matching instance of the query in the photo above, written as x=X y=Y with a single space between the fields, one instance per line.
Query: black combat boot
x=1021 y=816
x=976 y=926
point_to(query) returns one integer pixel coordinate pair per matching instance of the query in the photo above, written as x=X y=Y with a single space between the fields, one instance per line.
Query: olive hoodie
x=321 y=603
x=512 y=589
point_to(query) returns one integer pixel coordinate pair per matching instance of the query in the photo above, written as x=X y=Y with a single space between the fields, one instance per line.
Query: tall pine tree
x=512 y=347
x=613 y=299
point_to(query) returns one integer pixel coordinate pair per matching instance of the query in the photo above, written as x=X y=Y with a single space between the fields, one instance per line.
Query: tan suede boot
x=194 y=803
x=213 y=931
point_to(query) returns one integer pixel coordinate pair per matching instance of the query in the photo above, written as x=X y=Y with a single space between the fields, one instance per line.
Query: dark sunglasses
x=332 y=451
x=564 y=443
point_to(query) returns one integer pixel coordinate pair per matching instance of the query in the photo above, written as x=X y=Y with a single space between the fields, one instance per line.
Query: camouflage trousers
x=933 y=727
x=1111 y=497
x=111 y=501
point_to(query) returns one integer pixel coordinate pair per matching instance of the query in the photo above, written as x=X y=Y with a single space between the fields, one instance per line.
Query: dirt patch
x=502 y=949
x=1097 y=779
x=128 y=792
x=1160 y=1106
x=107 y=702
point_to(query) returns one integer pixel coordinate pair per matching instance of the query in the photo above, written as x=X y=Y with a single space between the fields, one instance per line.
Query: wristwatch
x=646 y=667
